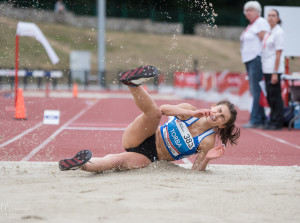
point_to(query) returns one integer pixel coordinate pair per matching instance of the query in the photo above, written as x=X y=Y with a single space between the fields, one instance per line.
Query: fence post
x=11 y=82
x=25 y=81
x=70 y=79
x=102 y=78
x=86 y=77
x=39 y=82
x=48 y=80
x=54 y=83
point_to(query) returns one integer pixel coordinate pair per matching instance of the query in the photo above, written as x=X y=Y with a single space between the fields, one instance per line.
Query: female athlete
x=188 y=131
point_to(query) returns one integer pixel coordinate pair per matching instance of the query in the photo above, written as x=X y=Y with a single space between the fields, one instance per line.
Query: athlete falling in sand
x=188 y=131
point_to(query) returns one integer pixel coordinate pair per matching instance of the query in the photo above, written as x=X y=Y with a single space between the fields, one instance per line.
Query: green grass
x=124 y=50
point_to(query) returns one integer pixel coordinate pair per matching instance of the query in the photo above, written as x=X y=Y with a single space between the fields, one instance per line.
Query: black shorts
x=146 y=148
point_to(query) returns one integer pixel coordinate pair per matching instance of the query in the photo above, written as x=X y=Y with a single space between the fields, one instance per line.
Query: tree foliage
x=187 y=12
x=87 y=6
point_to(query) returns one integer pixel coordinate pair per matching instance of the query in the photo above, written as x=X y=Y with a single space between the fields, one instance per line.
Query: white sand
x=162 y=192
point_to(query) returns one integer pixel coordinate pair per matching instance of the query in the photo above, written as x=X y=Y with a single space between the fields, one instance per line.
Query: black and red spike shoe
x=138 y=76
x=76 y=162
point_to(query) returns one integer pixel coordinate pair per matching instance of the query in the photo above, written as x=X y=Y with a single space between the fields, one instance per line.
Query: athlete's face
x=221 y=115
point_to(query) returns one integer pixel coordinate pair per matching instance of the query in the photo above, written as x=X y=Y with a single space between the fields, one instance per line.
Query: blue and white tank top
x=178 y=139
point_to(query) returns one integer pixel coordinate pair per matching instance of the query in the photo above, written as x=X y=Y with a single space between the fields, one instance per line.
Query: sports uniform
x=178 y=139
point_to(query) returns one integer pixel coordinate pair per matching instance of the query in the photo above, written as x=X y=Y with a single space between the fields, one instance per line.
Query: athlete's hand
x=202 y=113
x=215 y=153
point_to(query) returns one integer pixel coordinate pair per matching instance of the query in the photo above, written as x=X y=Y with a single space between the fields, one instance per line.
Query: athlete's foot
x=76 y=162
x=138 y=76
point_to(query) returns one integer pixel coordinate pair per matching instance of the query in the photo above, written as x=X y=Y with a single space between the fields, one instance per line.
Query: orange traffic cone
x=20 y=106
x=75 y=90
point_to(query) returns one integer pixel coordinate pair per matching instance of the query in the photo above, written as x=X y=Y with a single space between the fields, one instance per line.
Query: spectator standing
x=251 y=47
x=59 y=10
x=59 y=7
x=273 y=67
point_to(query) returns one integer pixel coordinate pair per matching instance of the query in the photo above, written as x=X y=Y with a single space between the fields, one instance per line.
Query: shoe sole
x=75 y=162
x=138 y=76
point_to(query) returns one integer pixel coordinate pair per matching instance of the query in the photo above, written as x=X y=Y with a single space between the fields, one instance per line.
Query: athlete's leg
x=146 y=124
x=122 y=161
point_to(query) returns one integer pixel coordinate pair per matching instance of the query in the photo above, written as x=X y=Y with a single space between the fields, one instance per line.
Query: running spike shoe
x=138 y=76
x=76 y=162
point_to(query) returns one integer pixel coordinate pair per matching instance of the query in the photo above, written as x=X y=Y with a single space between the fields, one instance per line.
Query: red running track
x=98 y=124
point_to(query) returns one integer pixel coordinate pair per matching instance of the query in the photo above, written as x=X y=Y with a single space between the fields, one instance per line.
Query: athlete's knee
x=156 y=114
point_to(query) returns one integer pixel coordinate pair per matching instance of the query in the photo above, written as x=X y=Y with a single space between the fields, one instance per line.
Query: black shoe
x=138 y=76
x=76 y=162
x=271 y=127
x=252 y=126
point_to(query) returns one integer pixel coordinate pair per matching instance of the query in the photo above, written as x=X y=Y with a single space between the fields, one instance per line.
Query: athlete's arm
x=207 y=152
x=201 y=161
x=203 y=158
x=183 y=111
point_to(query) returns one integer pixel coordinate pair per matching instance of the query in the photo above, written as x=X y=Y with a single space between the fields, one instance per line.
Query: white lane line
x=96 y=128
x=38 y=148
x=21 y=135
x=275 y=138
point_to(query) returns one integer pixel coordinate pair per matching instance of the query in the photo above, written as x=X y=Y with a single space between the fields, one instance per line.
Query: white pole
x=101 y=41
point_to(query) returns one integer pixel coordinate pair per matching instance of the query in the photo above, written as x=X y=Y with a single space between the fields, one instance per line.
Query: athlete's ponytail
x=230 y=133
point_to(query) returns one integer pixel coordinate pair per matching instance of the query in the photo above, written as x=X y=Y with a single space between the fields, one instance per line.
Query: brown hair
x=279 y=20
x=230 y=133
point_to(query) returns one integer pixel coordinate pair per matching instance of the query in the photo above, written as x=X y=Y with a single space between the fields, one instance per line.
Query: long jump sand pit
x=162 y=192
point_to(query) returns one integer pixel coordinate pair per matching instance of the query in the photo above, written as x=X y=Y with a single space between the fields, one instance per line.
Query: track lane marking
x=50 y=138
x=276 y=139
x=21 y=135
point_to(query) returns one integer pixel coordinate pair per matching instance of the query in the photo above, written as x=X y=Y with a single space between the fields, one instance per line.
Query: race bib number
x=185 y=133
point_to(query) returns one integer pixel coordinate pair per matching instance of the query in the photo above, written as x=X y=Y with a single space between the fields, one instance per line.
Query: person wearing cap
x=251 y=49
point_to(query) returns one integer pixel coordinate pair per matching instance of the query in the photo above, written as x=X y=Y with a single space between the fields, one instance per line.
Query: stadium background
x=186 y=12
